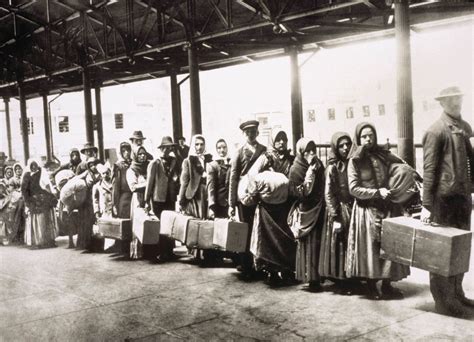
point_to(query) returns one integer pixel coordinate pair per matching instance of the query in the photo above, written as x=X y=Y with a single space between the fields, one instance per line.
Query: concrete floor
x=66 y=295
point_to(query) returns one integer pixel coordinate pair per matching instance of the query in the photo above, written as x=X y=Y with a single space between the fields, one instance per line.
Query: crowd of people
x=307 y=222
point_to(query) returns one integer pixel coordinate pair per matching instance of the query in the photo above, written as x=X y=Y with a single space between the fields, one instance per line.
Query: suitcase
x=200 y=234
x=230 y=235
x=115 y=228
x=441 y=250
x=174 y=225
x=149 y=232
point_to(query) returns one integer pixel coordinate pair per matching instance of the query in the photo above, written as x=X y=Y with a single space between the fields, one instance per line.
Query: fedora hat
x=166 y=141
x=248 y=124
x=448 y=92
x=137 y=135
x=89 y=146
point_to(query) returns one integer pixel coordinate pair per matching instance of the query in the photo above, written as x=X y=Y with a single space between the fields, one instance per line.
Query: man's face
x=138 y=142
x=367 y=137
x=166 y=150
x=199 y=146
x=221 y=149
x=251 y=134
x=125 y=152
x=452 y=105
x=181 y=142
x=343 y=147
x=75 y=156
x=90 y=153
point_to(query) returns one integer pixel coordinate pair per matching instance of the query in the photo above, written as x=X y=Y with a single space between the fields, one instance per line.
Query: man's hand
x=384 y=193
x=425 y=216
x=231 y=212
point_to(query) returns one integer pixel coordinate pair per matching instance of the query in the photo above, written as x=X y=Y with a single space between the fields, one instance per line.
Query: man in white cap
x=240 y=165
x=448 y=163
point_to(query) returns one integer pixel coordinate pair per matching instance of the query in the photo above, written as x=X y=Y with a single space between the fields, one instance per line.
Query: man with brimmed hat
x=241 y=163
x=89 y=151
x=448 y=164
x=137 y=139
x=162 y=190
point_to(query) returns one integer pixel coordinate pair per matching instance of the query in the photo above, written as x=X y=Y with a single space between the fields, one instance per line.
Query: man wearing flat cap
x=448 y=164
x=162 y=189
x=241 y=163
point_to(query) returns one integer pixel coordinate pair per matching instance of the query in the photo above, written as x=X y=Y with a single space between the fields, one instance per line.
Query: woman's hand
x=384 y=193
x=425 y=216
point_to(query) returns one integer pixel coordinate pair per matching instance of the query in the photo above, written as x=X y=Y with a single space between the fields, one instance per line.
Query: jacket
x=447 y=157
x=162 y=182
x=336 y=190
x=239 y=166
x=218 y=174
x=192 y=174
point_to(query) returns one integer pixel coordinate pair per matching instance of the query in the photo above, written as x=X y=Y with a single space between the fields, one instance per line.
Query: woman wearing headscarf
x=368 y=181
x=272 y=242
x=192 y=193
x=5 y=214
x=41 y=226
x=86 y=210
x=121 y=193
x=306 y=218
x=218 y=173
x=8 y=173
x=15 y=181
x=338 y=210
x=16 y=206
x=137 y=181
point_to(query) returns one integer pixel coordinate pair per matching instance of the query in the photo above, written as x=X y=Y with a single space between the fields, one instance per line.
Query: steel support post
x=47 y=129
x=88 y=106
x=6 y=100
x=406 y=149
x=196 y=122
x=100 y=127
x=176 y=106
x=296 y=100
x=24 y=123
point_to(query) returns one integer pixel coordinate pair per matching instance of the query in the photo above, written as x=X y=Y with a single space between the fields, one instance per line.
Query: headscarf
x=14 y=167
x=5 y=172
x=79 y=160
x=40 y=176
x=139 y=167
x=122 y=145
x=275 y=135
x=334 y=156
x=300 y=165
x=358 y=151
x=218 y=157
x=192 y=150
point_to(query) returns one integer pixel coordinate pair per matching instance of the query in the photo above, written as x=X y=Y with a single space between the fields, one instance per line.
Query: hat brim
x=167 y=145
x=141 y=138
x=437 y=98
x=90 y=148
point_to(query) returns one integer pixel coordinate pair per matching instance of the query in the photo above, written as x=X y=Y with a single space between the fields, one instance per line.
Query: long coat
x=162 y=182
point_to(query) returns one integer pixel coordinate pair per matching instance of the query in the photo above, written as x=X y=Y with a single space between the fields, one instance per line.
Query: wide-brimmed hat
x=89 y=146
x=166 y=141
x=248 y=124
x=137 y=135
x=448 y=92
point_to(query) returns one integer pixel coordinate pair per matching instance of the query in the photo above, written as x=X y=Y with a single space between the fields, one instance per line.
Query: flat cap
x=248 y=124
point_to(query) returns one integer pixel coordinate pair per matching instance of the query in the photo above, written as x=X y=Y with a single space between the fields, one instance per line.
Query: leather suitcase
x=174 y=225
x=230 y=235
x=200 y=234
x=441 y=250
x=149 y=232
x=115 y=228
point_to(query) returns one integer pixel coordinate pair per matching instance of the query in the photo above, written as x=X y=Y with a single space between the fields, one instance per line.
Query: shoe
x=466 y=301
x=314 y=287
x=454 y=309
x=388 y=291
x=372 y=291
x=273 y=279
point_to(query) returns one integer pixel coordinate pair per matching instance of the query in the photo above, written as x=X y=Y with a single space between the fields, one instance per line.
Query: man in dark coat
x=448 y=165
x=241 y=163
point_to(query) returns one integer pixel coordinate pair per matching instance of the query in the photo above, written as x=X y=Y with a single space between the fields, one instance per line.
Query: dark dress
x=121 y=193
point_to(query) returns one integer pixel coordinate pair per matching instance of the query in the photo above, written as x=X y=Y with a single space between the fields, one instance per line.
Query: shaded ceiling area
x=45 y=44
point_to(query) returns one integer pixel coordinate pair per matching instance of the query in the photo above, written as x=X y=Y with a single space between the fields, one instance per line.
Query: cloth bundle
x=402 y=182
x=73 y=193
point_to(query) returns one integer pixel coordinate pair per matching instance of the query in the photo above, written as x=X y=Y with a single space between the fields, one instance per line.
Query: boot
x=389 y=291
x=373 y=292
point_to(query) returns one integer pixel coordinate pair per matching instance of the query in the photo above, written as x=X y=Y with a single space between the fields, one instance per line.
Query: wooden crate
x=115 y=228
x=442 y=250
x=200 y=234
x=174 y=225
x=230 y=235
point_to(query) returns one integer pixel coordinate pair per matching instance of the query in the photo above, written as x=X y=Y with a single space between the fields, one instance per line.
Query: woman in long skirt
x=136 y=179
x=121 y=193
x=368 y=180
x=307 y=215
x=41 y=225
x=338 y=212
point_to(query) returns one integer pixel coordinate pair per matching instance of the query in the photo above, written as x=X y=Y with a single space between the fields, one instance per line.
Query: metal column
x=404 y=86
x=196 y=123
x=24 y=123
x=88 y=106
x=296 y=100
x=47 y=129
x=176 y=106
x=9 y=129
x=100 y=127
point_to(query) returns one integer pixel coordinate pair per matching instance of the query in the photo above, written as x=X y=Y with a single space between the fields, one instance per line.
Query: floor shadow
x=430 y=307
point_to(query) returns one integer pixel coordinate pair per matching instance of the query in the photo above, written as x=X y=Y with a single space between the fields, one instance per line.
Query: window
x=381 y=109
x=30 y=125
x=331 y=114
x=118 y=121
x=63 y=124
x=366 y=110
x=350 y=113
x=311 y=115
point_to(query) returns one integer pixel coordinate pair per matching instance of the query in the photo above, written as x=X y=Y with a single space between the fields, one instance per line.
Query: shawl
x=334 y=156
x=300 y=165
x=139 y=168
x=40 y=176
x=379 y=151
